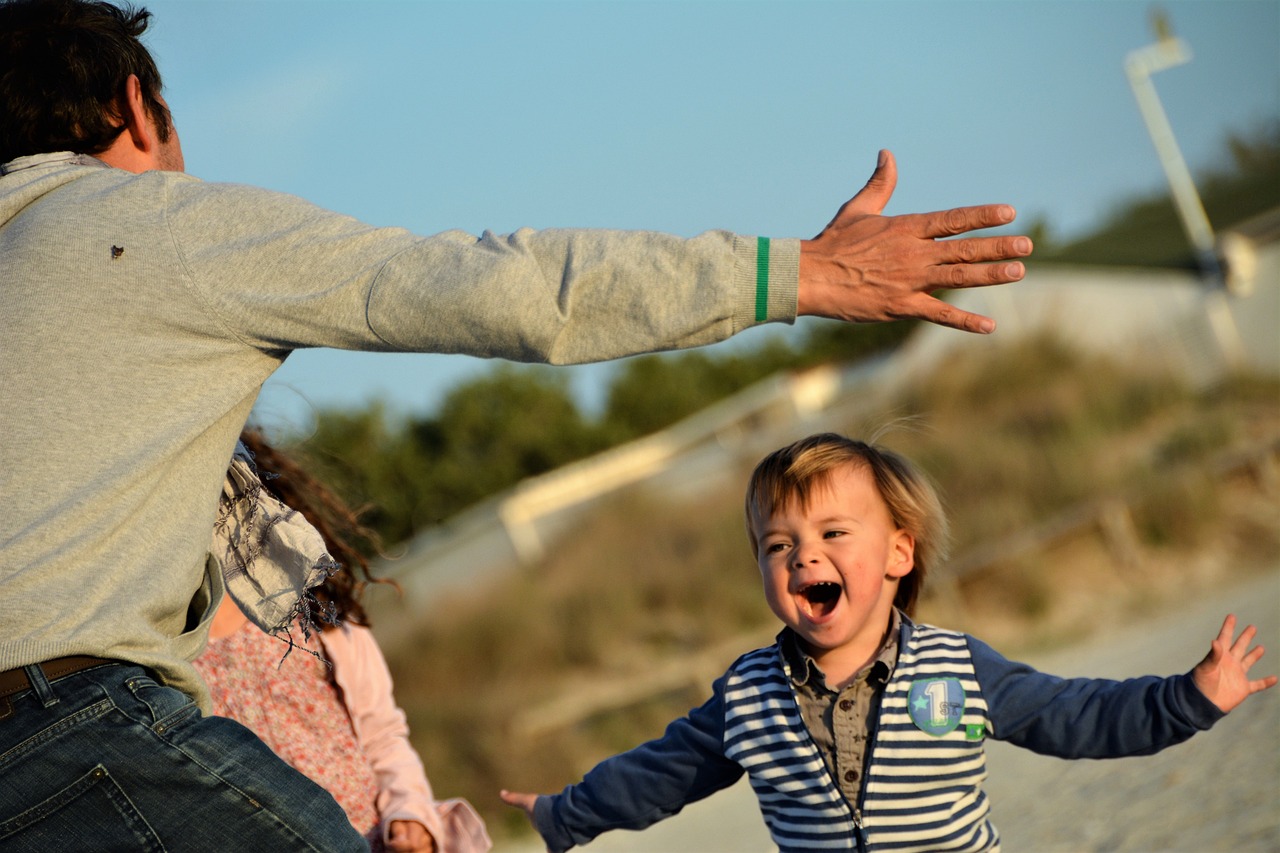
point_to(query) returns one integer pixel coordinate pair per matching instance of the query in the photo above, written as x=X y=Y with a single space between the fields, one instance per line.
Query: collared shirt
x=840 y=720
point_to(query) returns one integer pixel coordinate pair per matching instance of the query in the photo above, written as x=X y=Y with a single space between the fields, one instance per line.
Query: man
x=142 y=311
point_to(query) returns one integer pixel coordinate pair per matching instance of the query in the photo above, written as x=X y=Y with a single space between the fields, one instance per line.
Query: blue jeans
x=107 y=759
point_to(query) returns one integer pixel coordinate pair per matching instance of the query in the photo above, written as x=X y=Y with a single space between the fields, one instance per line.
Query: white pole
x=1168 y=52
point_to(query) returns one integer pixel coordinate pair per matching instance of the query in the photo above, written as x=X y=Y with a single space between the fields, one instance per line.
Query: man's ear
x=902 y=554
x=137 y=146
x=135 y=117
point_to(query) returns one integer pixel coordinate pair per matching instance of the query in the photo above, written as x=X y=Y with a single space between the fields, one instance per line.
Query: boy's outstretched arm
x=1223 y=675
x=639 y=787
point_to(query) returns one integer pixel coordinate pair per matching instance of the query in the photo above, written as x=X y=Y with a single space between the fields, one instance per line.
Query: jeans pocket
x=90 y=814
x=169 y=708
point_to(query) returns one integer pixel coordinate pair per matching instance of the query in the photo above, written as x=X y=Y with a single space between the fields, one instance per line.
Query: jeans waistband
x=16 y=680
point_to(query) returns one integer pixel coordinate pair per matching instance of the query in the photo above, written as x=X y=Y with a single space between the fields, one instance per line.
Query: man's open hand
x=865 y=267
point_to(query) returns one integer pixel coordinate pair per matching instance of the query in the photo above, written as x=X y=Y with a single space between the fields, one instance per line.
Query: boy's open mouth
x=821 y=598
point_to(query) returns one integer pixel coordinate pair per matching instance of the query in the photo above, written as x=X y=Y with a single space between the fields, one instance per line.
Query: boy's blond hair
x=793 y=473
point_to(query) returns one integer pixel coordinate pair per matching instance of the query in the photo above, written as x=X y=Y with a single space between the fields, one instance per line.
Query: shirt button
x=851 y=775
x=846 y=704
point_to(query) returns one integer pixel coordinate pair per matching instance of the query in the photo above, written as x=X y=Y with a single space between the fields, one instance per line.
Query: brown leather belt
x=15 y=680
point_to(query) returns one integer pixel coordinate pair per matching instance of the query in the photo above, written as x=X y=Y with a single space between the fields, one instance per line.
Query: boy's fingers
x=1262 y=684
x=518 y=799
x=1242 y=642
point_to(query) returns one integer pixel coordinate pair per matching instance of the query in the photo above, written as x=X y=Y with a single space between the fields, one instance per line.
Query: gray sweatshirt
x=142 y=313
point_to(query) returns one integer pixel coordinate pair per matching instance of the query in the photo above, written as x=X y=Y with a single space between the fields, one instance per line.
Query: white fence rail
x=1163 y=318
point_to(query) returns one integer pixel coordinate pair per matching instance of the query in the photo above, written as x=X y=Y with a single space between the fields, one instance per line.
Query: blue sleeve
x=644 y=785
x=1088 y=717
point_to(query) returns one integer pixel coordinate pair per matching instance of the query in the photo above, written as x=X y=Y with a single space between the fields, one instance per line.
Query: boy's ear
x=902 y=554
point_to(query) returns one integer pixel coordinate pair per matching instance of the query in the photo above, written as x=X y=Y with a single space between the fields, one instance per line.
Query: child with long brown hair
x=329 y=713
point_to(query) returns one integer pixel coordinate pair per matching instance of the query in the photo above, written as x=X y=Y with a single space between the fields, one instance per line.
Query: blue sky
x=758 y=117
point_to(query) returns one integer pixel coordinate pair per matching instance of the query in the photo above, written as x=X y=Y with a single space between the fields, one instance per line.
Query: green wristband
x=762 y=279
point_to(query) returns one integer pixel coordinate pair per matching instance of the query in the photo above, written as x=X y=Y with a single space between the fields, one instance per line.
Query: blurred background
x=569 y=541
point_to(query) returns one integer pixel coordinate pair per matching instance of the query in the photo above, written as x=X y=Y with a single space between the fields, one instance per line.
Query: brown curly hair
x=348 y=540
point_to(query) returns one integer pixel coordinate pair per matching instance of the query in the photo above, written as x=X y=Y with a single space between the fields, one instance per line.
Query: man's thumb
x=875 y=194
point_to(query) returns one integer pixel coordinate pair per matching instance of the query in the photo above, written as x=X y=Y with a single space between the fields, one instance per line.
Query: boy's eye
x=774 y=547
x=832 y=534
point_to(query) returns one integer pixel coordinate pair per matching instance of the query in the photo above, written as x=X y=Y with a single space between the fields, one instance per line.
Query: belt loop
x=41 y=685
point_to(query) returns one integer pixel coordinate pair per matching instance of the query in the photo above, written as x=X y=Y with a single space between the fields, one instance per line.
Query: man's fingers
x=945 y=314
x=964 y=262
x=974 y=275
x=959 y=220
x=883 y=181
x=972 y=250
x=875 y=194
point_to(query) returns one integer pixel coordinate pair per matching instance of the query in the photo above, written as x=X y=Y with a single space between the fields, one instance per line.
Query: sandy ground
x=1220 y=791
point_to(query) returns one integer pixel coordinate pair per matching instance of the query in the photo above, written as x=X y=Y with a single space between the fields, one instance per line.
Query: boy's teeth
x=820 y=598
x=821 y=592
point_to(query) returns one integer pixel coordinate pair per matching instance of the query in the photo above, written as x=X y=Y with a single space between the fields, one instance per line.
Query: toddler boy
x=860 y=729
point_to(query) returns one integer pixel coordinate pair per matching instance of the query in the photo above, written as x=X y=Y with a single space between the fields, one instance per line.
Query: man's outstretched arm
x=867 y=268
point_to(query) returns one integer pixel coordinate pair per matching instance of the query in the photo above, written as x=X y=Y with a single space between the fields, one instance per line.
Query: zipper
x=872 y=732
x=855 y=811
x=857 y=823
x=866 y=777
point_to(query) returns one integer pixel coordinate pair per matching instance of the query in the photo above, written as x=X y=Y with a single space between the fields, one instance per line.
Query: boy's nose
x=803 y=557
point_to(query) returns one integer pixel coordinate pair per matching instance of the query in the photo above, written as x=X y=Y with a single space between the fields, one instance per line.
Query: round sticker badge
x=936 y=705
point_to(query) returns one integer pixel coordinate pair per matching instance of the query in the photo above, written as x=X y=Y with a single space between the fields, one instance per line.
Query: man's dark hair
x=63 y=68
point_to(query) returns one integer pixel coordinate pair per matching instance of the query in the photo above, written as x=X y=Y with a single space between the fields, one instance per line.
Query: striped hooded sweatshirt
x=948 y=692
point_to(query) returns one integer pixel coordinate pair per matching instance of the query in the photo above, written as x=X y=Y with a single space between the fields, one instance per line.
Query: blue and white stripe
x=922 y=792
x=765 y=735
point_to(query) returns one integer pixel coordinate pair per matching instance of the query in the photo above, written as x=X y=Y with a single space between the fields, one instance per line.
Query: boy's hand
x=410 y=836
x=1223 y=675
x=524 y=802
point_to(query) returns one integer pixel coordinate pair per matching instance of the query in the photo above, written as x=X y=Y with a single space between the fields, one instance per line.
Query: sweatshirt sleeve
x=283 y=274
x=380 y=727
x=1088 y=717
x=645 y=785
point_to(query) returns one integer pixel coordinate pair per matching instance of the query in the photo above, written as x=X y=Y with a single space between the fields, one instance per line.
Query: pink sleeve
x=383 y=734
